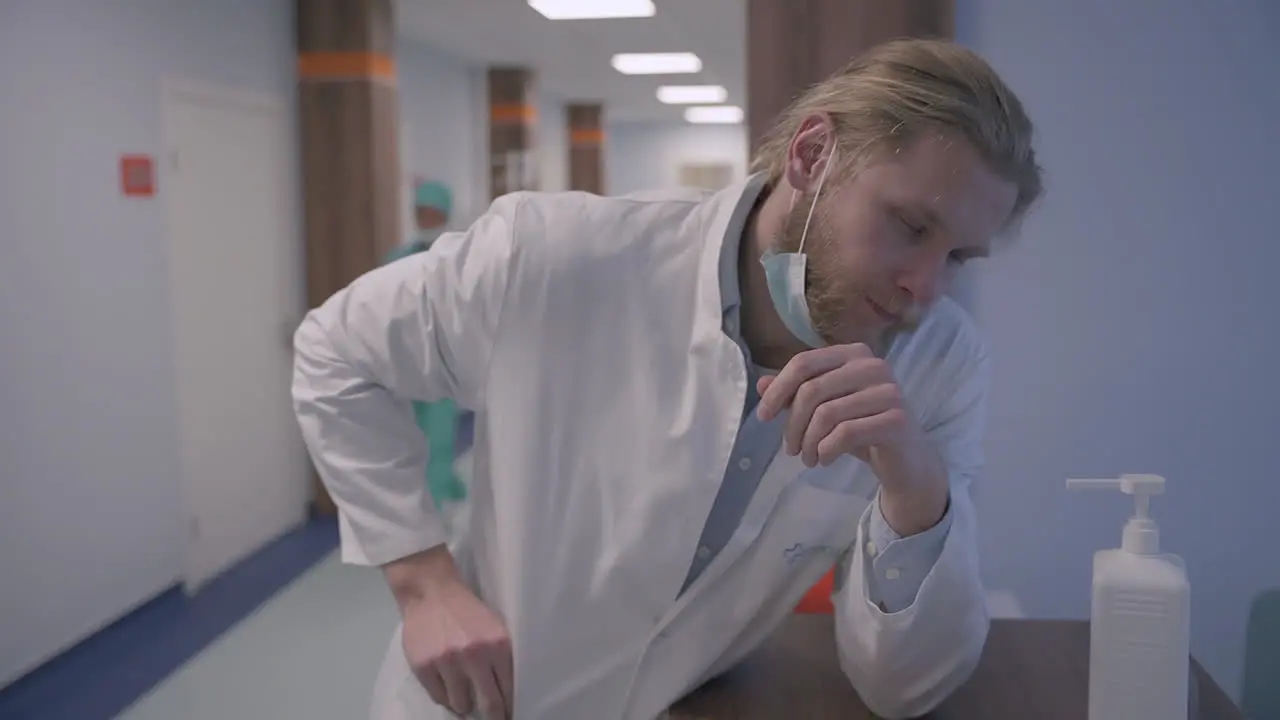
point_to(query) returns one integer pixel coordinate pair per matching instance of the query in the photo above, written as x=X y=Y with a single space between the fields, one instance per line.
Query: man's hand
x=457 y=647
x=845 y=400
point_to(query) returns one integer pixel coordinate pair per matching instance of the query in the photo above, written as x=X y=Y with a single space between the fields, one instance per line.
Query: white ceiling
x=571 y=57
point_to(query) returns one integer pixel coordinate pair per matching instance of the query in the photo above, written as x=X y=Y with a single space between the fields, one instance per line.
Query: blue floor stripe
x=109 y=671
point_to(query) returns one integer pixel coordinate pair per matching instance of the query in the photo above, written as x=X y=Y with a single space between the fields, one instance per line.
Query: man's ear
x=809 y=152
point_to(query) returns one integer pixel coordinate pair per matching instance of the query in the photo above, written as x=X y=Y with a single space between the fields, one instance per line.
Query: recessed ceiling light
x=714 y=115
x=593 y=9
x=656 y=63
x=692 y=94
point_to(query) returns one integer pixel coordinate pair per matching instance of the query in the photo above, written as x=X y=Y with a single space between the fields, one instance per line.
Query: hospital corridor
x=639 y=360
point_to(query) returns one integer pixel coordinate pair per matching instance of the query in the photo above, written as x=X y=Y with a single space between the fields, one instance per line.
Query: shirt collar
x=730 y=292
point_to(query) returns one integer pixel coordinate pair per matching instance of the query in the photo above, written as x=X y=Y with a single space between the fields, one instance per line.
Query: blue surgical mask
x=785 y=275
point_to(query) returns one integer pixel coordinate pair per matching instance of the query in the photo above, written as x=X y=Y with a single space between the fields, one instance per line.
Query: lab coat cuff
x=895 y=567
x=371 y=548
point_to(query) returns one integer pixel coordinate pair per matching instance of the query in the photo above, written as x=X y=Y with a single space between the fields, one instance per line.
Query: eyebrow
x=918 y=210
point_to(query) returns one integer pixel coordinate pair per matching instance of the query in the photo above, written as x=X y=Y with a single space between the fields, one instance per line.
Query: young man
x=689 y=408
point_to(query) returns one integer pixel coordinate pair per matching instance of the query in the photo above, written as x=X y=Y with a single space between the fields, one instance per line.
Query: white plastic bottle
x=1140 y=631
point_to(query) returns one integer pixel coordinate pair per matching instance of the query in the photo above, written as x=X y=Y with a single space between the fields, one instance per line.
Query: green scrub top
x=438 y=422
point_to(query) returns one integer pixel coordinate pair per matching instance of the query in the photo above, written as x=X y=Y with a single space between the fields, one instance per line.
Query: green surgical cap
x=434 y=195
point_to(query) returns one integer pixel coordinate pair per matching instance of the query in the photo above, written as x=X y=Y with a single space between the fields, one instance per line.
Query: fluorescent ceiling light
x=692 y=94
x=656 y=63
x=714 y=115
x=593 y=9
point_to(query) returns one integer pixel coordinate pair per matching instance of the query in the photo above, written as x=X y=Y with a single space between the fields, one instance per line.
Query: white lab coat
x=586 y=333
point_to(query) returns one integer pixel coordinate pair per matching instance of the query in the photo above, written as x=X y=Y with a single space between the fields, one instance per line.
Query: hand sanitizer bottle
x=1140 y=626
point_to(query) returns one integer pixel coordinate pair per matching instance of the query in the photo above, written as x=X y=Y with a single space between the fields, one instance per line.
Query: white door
x=237 y=271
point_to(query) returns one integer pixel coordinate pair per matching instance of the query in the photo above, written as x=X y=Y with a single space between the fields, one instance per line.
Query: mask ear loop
x=804 y=234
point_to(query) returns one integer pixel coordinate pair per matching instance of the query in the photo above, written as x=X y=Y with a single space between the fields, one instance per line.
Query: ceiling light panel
x=593 y=9
x=657 y=63
x=692 y=94
x=714 y=115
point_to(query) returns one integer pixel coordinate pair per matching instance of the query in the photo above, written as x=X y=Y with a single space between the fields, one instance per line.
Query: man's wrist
x=910 y=514
x=914 y=488
x=418 y=576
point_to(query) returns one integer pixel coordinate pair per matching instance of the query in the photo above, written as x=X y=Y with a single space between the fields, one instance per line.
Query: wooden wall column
x=586 y=147
x=349 y=115
x=512 y=116
x=792 y=44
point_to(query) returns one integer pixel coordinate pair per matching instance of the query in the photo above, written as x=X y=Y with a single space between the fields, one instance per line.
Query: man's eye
x=911 y=228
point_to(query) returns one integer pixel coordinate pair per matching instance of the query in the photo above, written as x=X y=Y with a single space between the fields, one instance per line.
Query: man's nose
x=925 y=278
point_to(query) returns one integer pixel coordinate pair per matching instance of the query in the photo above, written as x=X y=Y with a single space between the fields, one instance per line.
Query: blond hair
x=900 y=89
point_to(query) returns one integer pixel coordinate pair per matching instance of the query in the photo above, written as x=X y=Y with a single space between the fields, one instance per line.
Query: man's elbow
x=315 y=360
x=916 y=679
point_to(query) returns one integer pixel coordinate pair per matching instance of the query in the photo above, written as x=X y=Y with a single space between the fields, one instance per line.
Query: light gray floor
x=310 y=653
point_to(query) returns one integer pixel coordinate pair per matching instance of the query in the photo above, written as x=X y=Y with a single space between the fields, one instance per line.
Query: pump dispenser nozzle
x=1141 y=535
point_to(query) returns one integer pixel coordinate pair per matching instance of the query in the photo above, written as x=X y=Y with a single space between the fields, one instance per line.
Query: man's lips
x=884 y=314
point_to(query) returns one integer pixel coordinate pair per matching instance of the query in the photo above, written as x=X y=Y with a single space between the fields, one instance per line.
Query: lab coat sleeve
x=899 y=565
x=421 y=328
x=905 y=661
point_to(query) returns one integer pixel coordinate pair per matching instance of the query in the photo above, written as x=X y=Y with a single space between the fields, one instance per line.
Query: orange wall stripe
x=513 y=113
x=333 y=65
x=586 y=136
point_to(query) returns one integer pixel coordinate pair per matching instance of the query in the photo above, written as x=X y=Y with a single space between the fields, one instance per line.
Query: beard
x=827 y=295
x=830 y=295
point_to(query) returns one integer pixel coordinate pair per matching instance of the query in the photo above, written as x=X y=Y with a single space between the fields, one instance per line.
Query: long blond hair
x=900 y=89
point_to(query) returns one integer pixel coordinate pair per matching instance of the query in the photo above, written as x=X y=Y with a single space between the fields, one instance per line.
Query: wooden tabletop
x=1029 y=669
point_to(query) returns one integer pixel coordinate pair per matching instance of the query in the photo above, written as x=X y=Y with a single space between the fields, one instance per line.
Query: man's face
x=883 y=246
x=428 y=217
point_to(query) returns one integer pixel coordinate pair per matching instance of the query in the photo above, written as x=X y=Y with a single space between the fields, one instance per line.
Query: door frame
x=177 y=90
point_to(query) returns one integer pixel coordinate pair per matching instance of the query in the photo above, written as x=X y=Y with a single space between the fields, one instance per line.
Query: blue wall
x=1134 y=324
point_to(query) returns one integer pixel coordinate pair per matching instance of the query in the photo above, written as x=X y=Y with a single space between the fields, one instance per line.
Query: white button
x=744 y=463
x=892 y=573
x=871 y=548
x=704 y=552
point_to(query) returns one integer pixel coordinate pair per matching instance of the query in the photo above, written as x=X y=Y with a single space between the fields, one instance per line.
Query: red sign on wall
x=137 y=176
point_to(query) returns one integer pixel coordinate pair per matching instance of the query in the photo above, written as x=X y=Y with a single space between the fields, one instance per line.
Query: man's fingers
x=827 y=416
x=813 y=393
x=806 y=365
x=762 y=385
x=457 y=688
x=434 y=685
x=505 y=674
x=780 y=391
x=859 y=432
x=489 y=700
x=851 y=378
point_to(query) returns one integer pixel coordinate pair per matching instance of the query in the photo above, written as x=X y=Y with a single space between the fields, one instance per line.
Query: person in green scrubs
x=438 y=420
